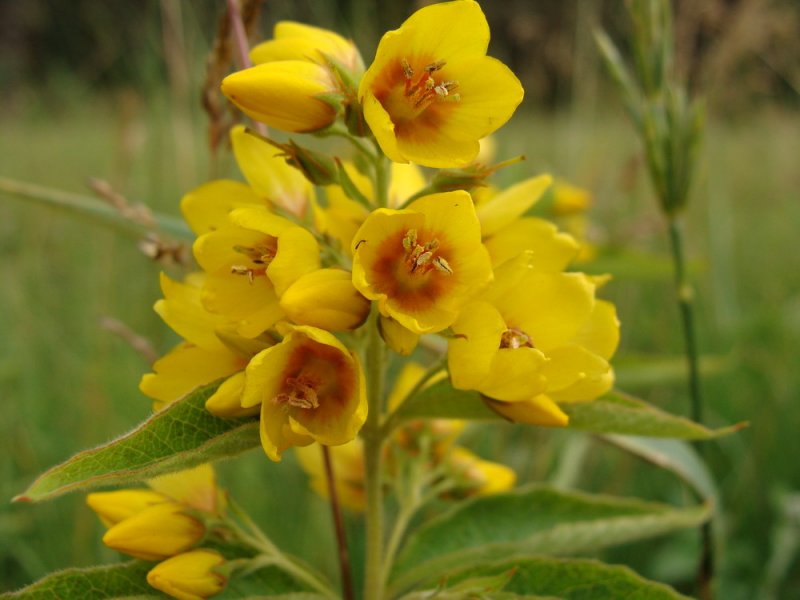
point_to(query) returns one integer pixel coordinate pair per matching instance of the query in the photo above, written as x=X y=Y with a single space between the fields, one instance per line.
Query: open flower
x=533 y=339
x=432 y=93
x=422 y=263
x=249 y=262
x=189 y=576
x=310 y=388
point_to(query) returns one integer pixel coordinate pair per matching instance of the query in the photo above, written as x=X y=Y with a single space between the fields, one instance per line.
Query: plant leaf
x=533 y=520
x=571 y=579
x=615 y=412
x=124 y=580
x=673 y=455
x=182 y=435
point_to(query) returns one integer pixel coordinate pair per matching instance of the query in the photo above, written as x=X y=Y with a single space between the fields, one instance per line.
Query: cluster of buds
x=166 y=522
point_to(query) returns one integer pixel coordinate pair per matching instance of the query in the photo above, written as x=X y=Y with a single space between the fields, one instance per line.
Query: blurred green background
x=112 y=90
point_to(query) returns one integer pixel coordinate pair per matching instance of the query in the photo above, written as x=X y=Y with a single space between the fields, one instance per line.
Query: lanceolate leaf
x=533 y=520
x=124 y=580
x=182 y=435
x=570 y=579
x=613 y=413
x=673 y=455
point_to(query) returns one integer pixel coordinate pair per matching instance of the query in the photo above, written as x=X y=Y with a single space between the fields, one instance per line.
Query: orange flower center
x=515 y=338
x=259 y=256
x=315 y=375
x=411 y=269
x=406 y=93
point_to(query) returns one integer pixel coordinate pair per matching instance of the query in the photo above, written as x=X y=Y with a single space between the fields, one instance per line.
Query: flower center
x=421 y=259
x=419 y=91
x=515 y=338
x=300 y=392
x=260 y=256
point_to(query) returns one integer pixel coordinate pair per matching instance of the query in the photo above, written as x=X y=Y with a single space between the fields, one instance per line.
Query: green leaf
x=617 y=412
x=182 y=435
x=267 y=582
x=571 y=579
x=533 y=520
x=613 y=413
x=673 y=455
x=124 y=580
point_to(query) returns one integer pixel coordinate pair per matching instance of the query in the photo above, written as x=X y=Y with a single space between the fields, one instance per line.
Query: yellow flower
x=204 y=357
x=270 y=177
x=326 y=299
x=432 y=93
x=537 y=338
x=348 y=468
x=422 y=263
x=155 y=523
x=297 y=41
x=189 y=576
x=249 y=263
x=480 y=477
x=289 y=95
x=310 y=388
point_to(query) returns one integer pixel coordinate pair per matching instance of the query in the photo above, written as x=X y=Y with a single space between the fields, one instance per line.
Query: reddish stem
x=242 y=47
x=341 y=540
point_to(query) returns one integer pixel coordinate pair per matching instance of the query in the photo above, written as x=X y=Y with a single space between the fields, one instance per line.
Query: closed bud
x=290 y=95
x=155 y=533
x=398 y=338
x=318 y=168
x=326 y=299
x=113 y=507
x=189 y=576
x=472 y=176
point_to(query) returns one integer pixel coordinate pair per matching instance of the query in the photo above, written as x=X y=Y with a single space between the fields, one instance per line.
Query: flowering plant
x=362 y=313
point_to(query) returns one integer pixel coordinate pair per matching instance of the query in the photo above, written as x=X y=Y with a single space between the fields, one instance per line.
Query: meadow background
x=111 y=90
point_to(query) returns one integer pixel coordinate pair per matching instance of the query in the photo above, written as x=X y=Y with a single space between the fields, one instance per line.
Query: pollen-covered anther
x=425 y=89
x=243 y=270
x=301 y=394
x=261 y=254
x=515 y=338
x=423 y=258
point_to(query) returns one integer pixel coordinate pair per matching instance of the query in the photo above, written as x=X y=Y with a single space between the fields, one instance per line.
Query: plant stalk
x=685 y=298
x=373 y=442
x=338 y=522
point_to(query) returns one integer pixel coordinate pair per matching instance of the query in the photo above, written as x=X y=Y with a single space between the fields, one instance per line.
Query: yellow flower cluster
x=294 y=260
x=164 y=523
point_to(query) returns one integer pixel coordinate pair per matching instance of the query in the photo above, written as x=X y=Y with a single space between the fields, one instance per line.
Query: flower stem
x=373 y=441
x=685 y=297
x=242 y=47
x=382 y=180
x=341 y=540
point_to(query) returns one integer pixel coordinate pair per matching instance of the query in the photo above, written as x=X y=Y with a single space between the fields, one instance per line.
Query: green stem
x=373 y=441
x=338 y=131
x=685 y=297
x=382 y=180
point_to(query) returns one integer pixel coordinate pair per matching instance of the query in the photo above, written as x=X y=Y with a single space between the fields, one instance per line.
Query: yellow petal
x=570 y=364
x=406 y=180
x=206 y=208
x=511 y=203
x=196 y=487
x=476 y=340
x=113 y=507
x=400 y=339
x=540 y=410
x=601 y=333
x=225 y=402
x=298 y=254
x=155 y=533
x=551 y=249
x=183 y=311
x=325 y=298
x=515 y=375
x=252 y=306
x=268 y=174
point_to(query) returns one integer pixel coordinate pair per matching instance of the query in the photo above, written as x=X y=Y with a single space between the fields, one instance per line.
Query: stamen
x=435 y=66
x=442 y=265
x=423 y=258
x=302 y=394
x=410 y=239
x=242 y=270
x=515 y=338
x=407 y=70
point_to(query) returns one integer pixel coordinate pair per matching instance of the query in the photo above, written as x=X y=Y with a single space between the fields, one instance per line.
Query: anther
x=435 y=66
x=410 y=239
x=442 y=265
x=407 y=70
x=242 y=270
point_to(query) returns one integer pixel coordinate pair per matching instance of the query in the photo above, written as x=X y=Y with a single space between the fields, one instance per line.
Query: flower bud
x=398 y=338
x=155 y=533
x=318 y=168
x=483 y=477
x=113 y=507
x=189 y=576
x=290 y=95
x=225 y=401
x=326 y=299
